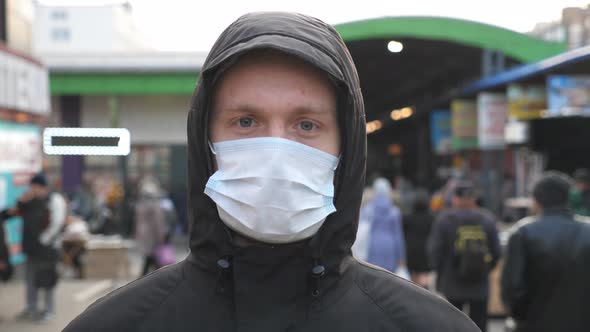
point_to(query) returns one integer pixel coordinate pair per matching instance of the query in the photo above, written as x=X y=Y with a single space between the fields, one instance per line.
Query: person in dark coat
x=579 y=198
x=278 y=91
x=6 y=269
x=545 y=279
x=463 y=248
x=43 y=214
x=417 y=227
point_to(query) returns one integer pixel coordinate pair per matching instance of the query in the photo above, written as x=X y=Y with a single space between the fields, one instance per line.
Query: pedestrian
x=73 y=243
x=580 y=194
x=360 y=247
x=6 y=268
x=545 y=277
x=150 y=223
x=170 y=215
x=83 y=203
x=276 y=162
x=417 y=227
x=43 y=213
x=386 y=245
x=464 y=248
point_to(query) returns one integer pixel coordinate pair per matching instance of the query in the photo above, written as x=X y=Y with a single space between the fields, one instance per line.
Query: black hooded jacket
x=314 y=285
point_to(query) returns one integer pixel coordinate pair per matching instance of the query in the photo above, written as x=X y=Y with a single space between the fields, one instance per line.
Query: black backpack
x=472 y=256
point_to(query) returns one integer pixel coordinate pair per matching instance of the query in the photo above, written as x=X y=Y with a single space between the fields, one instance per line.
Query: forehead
x=258 y=74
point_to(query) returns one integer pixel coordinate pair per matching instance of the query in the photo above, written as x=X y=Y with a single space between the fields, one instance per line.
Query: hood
x=319 y=45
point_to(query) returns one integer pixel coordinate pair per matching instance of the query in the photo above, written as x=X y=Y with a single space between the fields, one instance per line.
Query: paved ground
x=71 y=298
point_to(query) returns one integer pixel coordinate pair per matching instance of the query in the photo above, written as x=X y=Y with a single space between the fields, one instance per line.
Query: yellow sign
x=526 y=102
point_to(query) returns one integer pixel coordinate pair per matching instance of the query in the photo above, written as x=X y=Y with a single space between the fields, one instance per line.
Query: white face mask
x=272 y=190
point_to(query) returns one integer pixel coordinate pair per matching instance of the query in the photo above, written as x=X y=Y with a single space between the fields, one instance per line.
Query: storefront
x=24 y=106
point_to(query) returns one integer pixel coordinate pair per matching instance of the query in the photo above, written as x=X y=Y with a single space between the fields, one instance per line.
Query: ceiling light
x=395 y=46
x=407 y=112
x=374 y=126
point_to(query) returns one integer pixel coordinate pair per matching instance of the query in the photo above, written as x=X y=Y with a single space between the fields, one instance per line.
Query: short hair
x=39 y=179
x=552 y=190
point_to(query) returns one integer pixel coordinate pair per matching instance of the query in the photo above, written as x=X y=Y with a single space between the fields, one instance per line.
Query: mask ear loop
x=211 y=148
x=337 y=163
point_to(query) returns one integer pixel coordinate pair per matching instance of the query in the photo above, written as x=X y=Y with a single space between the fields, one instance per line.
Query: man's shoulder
x=407 y=305
x=127 y=307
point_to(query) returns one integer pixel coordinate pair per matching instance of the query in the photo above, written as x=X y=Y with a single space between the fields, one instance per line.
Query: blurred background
x=491 y=91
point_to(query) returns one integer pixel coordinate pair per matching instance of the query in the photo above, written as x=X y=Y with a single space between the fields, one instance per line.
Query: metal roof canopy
x=562 y=139
x=573 y=62
x=438 y=53
x=519 y=46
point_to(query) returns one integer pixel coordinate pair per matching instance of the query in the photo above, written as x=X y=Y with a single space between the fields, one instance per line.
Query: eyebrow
x=256 y=110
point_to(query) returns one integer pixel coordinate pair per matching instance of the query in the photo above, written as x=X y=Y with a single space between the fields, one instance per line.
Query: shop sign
x=441 y=136
x=526 y=102
x=492 y=110
x=568 y=95
x=24 y=85
x=87 y=141
x=20 y=148
x=464 y=124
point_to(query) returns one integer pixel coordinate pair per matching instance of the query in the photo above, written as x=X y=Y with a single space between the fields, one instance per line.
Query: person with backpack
x=43 y=213
x=463 y=248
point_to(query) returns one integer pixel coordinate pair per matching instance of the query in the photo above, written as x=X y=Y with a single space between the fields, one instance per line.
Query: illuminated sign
x=87 y=141
x=20 y=148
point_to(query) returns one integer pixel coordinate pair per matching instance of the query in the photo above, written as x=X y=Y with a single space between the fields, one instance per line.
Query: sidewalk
x=72 y=297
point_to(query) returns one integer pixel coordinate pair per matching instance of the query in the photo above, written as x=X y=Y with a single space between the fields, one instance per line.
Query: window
x=59 y=15
x=60 y=34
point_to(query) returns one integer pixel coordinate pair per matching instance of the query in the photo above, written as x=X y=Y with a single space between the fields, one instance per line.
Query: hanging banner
x=440 y=132
x=24 y=84
x=526 y=102
x=464 y=124
x=568 y=95
x=492 y=110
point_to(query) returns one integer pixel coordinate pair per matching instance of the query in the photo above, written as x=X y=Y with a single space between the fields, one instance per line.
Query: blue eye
x=246 y=122
x=306 y=125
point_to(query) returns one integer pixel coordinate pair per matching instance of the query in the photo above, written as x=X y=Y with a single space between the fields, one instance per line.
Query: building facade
x=86 y=29
x=573 y=28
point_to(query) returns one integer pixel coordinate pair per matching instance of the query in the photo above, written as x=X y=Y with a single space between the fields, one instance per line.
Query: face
x=37 y=189
x=273 y=95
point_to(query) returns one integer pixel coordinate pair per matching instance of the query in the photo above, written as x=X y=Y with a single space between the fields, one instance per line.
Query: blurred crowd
x=57 y=228
x=447 y=242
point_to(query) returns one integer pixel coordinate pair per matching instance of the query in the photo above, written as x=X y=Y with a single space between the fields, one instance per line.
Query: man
x=545 y=277
x=276 y=141
x=464 y=247
x=43 y=214
x=580 y=195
